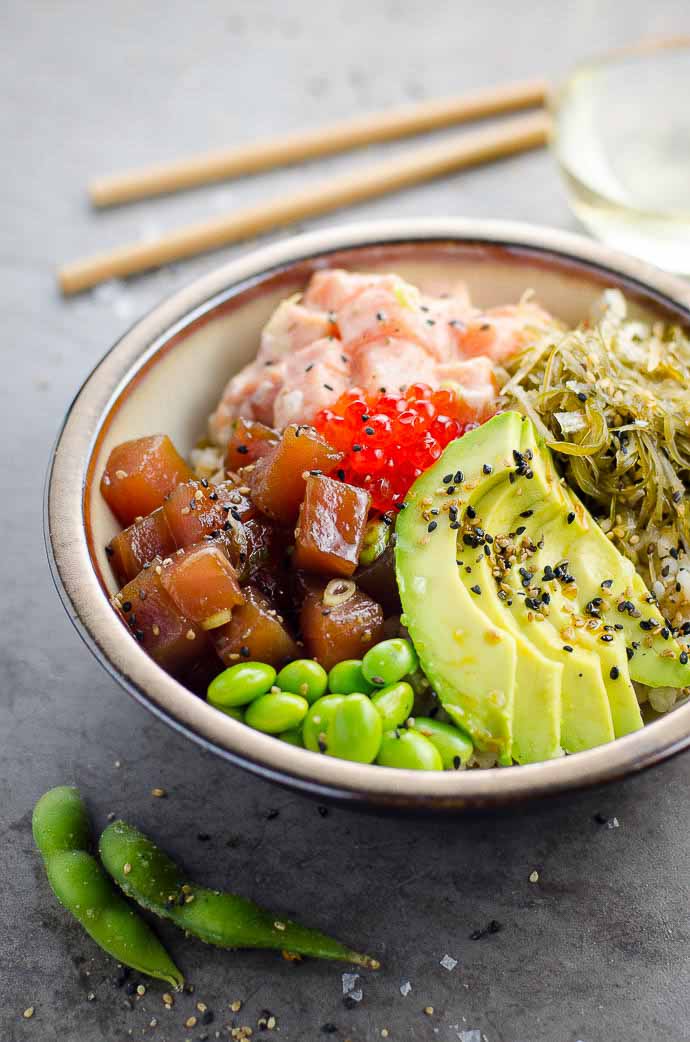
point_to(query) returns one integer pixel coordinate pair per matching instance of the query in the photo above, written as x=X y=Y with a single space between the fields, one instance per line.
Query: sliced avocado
x=549 y=599
x=538 y=678
x=585 y=715
x=468 y=661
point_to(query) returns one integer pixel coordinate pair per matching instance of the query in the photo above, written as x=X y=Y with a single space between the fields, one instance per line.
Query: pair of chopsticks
x=507 y=137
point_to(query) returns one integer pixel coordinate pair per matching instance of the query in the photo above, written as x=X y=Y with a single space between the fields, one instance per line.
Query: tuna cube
x=203 y=585
x=278 y=481
x=331 y=526
x=256 y=632
x=249 y=442
x=339 y=622
x=139 y=475
x=172 y=639
x=134 y=547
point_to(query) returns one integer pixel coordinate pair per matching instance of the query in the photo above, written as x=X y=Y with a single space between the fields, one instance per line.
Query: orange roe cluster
x=388 y=440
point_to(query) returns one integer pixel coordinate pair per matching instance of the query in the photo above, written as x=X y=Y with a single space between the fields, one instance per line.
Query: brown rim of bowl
x=88 y=607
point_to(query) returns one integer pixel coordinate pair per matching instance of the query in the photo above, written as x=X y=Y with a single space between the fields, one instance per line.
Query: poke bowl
x=428 y=551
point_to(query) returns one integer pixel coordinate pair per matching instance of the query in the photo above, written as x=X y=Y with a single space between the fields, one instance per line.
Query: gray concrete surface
x=597 y=949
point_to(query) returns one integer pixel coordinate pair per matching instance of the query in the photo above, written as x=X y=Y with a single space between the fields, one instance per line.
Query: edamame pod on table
x=225 y=920
x=61 y=831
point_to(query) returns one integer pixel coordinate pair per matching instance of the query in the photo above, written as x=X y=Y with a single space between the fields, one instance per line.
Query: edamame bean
x=240 y=684
x=234 y=711
x=409 y=750
x=293 y=737
x=354 y=730
x=394 y=703
x=346 y=678
x=389 y=661
x=317 y=721
x=277 y=712
x=454 y=746
x=61 y=831
x=154 y=881
x=304 y=677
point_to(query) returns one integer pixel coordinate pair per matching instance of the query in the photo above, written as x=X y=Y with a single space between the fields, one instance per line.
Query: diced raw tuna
x=139 y=475
x=332 y=633
x=138 y=544
x=172 y=639
x=393 y=365
x=200 y=512
x=256 y=632
x=331 y=526
x=249 y=441
x=278 y=481
x=203 y=585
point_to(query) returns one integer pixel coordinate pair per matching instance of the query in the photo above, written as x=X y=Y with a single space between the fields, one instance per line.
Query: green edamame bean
x=293 y=737
x=394 y=703
x=347 y=678
x=61 y=831
x=389 y=661
x=151 y=878
x=303 y=677
x=453 y=744
x=240 y=684
x=354 y=730
x=275 y=713
x=234 y=711
x=317 y=720
x=409 y=750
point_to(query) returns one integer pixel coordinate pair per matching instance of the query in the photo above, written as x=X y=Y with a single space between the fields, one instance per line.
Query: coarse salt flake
x=405 y=988
x=448 y=962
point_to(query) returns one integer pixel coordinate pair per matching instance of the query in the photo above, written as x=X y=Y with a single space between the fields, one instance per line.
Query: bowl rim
x=88 y=607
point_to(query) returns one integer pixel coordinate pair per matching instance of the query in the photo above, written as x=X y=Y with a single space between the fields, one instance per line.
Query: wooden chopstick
x=292 y=148
x=471 y=148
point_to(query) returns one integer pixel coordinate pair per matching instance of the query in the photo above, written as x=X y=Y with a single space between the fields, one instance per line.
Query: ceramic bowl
x=167 y=372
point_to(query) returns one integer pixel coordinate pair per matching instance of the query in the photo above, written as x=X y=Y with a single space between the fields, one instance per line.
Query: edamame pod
x=454 y=746
x=409 y=750
x=394 y=703
x=225 y=920
x=61 y=832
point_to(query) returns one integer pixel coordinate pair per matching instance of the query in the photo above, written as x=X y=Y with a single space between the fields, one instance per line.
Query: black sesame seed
x=471 y=512
x=127 y=606
x=683 y=658
x=567 y=647
x=526 y=513
x=487 y=468
x=244 y=651
x=520 y=530
x=571 y=518
x=629 y=652
x=458 y=477
x=447 y=478
x=677 y=496
x=432 y=526
x=614 y=673
x=204 y=482
x=581 y=396
x=341 y=474
x=607 y=638
x=457 y=762
x=369 y=431
x=607 y=584
x=476 y=589
x=356 y=448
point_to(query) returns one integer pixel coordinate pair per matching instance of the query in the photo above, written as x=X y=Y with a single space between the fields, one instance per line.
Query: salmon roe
x=388 y=440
